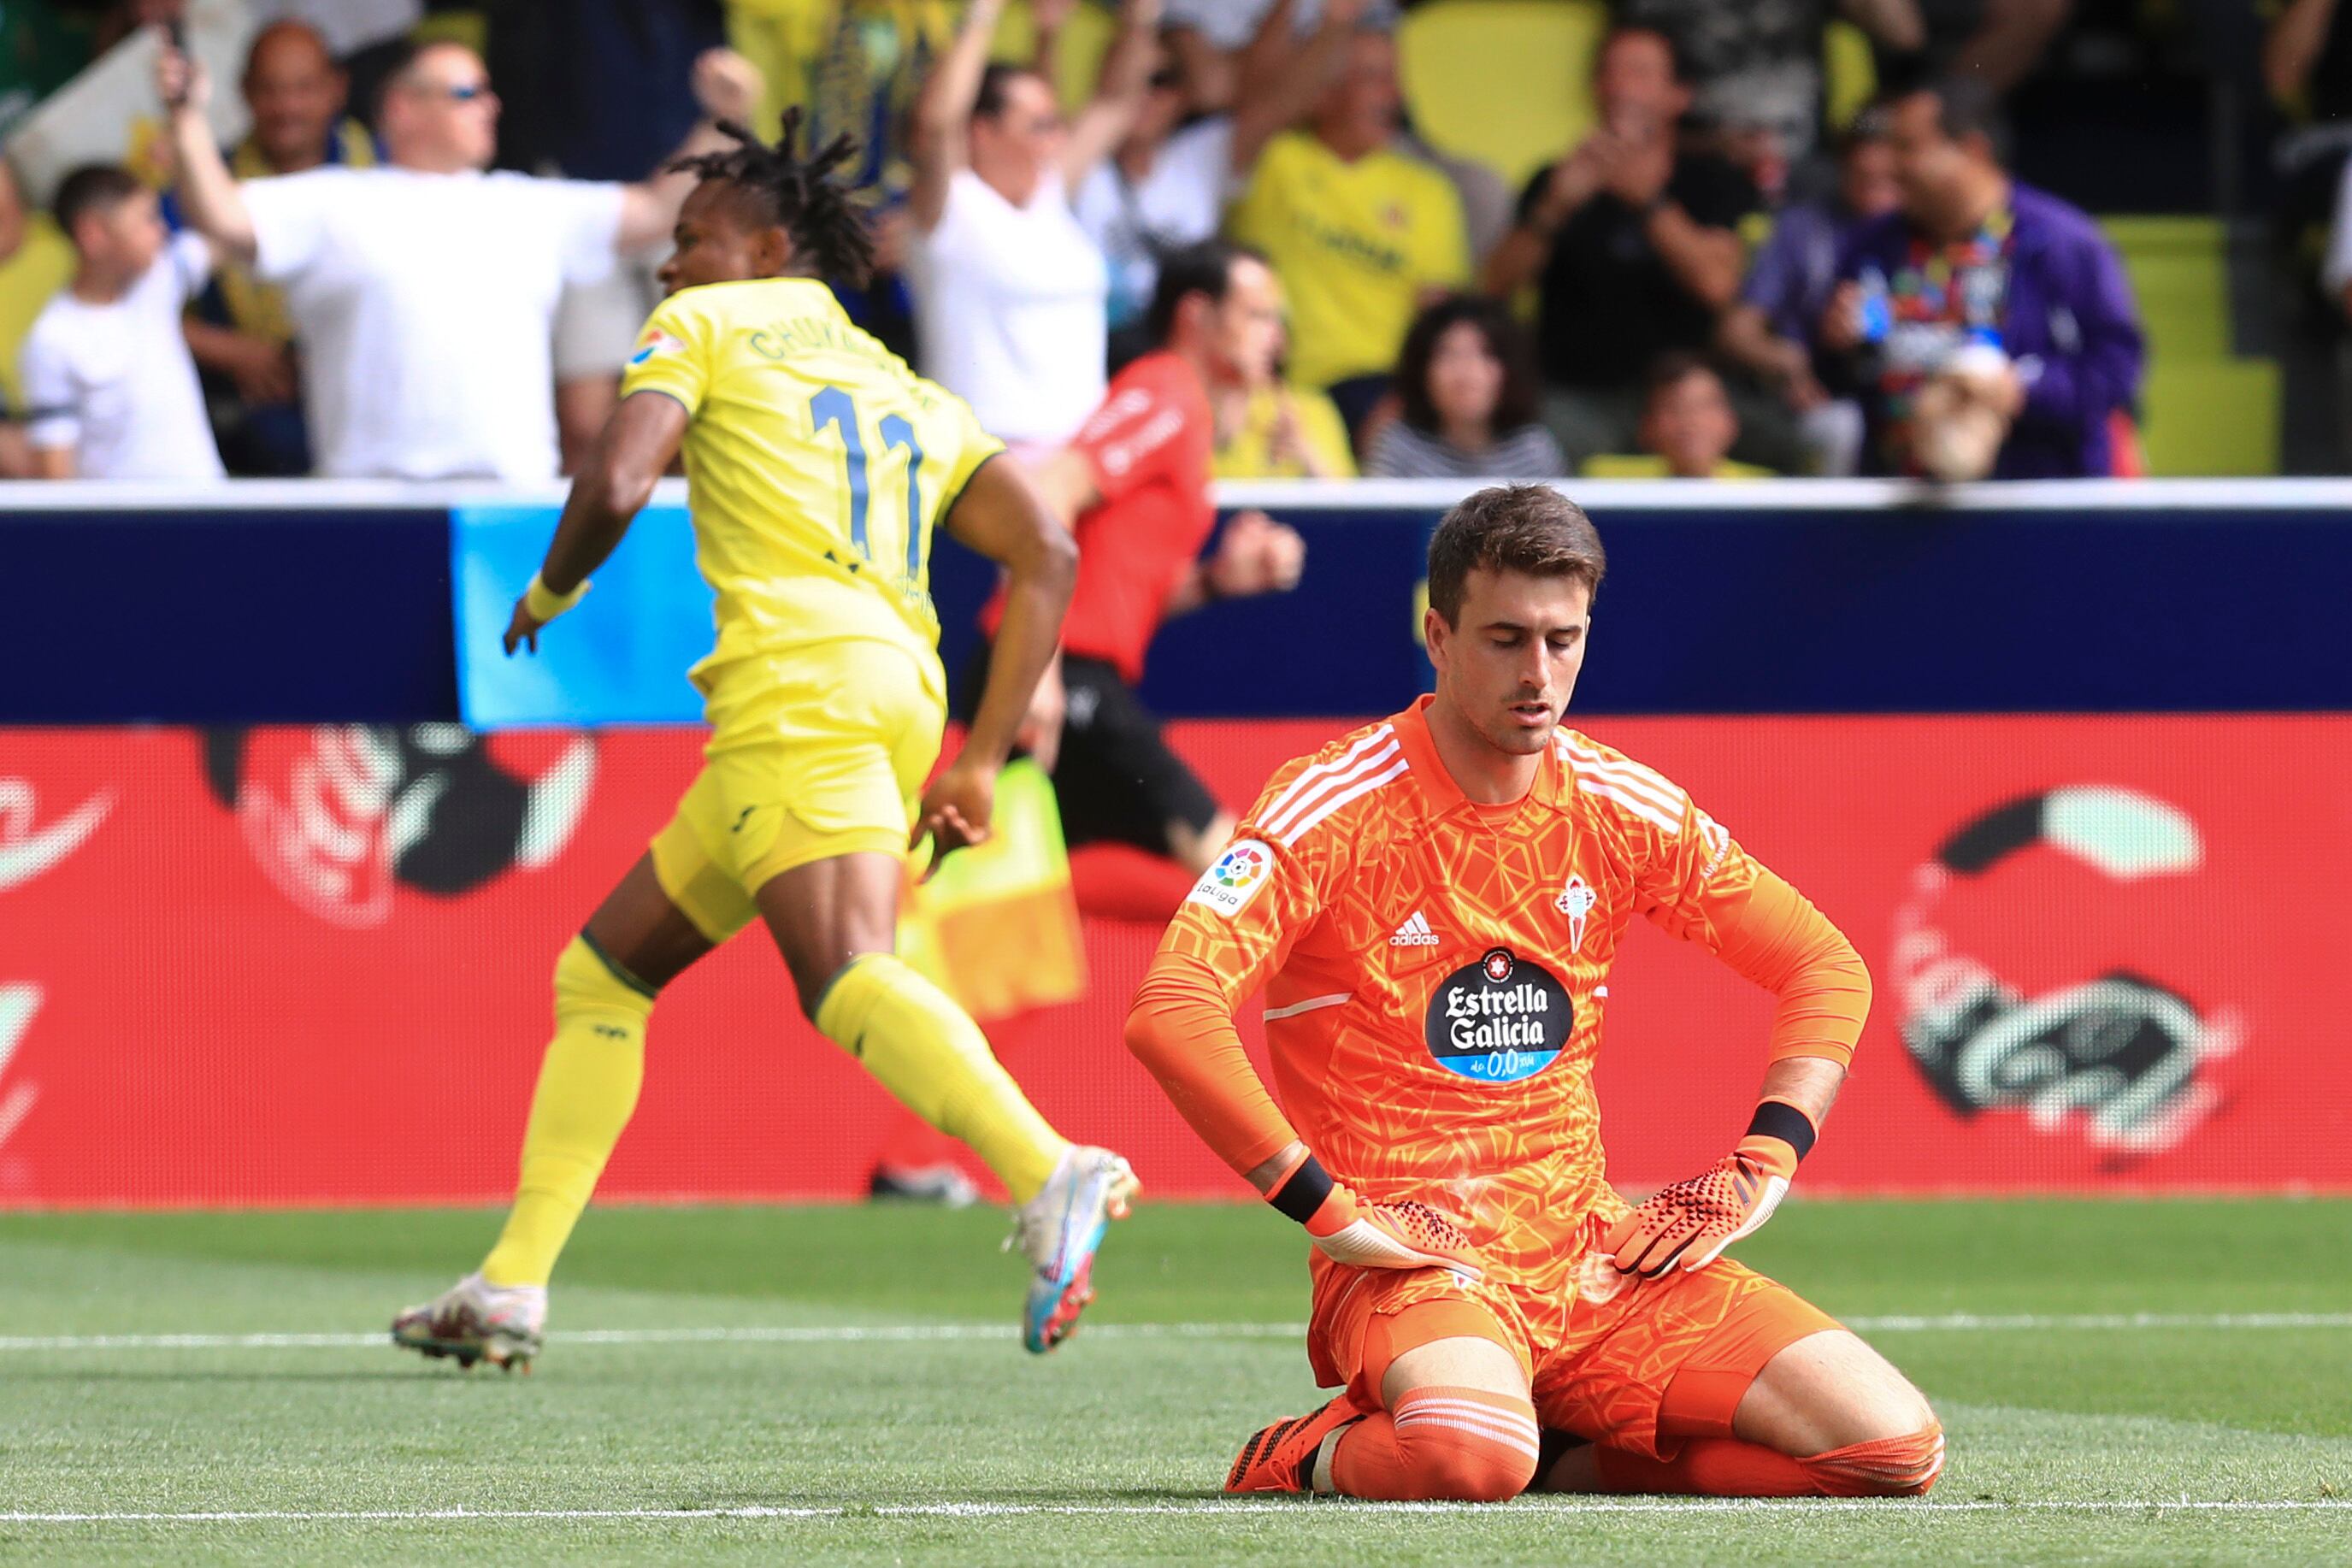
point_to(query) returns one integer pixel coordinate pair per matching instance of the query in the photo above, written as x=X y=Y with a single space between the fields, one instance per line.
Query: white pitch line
x=853 y=1333
x=1201 y=1509
x=2009 y=1321
x=821 y=1333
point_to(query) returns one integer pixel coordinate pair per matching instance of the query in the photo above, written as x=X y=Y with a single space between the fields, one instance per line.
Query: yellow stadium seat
x=1507 y=82
x=778 y=37
x=470 y=26
x=1079 y=62
x=2204 y=409
x=1848 y=74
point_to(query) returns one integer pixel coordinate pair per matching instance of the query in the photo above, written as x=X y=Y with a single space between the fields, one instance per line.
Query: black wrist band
x=1304 y=1193
x=1779 y=1119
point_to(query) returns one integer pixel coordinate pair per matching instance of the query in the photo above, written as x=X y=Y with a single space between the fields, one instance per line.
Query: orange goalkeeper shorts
x=1637 y=1365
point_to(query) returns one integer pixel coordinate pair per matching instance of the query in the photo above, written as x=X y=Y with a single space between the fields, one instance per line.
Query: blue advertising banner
x=620 y=658
x=310 y=601
x=161 y=610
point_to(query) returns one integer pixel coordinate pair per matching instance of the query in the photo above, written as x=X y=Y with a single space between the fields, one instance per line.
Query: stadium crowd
x=427 y=262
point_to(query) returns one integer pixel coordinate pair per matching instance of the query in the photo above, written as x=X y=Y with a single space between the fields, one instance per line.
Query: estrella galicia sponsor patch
x=1228 y=886
x=1498 y=1020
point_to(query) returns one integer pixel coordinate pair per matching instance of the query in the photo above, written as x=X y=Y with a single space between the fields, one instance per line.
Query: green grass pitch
x=2158 y=1382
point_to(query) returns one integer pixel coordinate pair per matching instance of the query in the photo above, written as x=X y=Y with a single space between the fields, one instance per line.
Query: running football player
x=817 y=466
x=1432 y=906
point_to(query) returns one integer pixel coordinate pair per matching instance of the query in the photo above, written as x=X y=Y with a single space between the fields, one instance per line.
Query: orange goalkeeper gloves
x=1692 y=1221
x=1346 y=1229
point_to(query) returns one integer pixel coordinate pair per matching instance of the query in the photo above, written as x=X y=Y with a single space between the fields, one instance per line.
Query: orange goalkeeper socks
x=1461 y=1445
x=1725 y=1467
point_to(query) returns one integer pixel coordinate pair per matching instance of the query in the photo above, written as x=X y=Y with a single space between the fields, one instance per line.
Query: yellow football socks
x=587 y=1088
x=927 y=1052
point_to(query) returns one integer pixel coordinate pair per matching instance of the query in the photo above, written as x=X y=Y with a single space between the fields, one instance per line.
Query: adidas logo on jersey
x=1415 y=932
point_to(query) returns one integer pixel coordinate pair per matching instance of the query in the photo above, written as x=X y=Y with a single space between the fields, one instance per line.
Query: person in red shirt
x=1135 y=486
x=1433 y=905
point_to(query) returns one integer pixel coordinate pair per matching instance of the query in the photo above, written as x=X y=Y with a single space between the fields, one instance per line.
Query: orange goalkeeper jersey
x=1435 y=974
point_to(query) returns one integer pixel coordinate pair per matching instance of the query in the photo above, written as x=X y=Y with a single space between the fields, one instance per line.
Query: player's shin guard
x=927 y=1052
x=588 y=1086
x=1725 y=1467
x=1457 y=1445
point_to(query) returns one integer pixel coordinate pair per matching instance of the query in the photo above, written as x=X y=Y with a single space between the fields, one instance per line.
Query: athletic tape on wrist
x=1779 y=1119
x=1303 y=1191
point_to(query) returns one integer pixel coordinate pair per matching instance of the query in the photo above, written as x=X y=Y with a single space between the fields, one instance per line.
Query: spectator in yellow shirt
x=1360 y=233
x=1688 y=428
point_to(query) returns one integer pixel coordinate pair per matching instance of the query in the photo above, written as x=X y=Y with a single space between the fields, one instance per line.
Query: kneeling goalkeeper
x=1433 y=905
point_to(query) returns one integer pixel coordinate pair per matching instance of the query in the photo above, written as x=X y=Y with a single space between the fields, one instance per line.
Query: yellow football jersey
x=1356 y=245
x=817 y=466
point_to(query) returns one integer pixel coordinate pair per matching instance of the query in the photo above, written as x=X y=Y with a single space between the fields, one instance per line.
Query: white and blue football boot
x=1058 y=1231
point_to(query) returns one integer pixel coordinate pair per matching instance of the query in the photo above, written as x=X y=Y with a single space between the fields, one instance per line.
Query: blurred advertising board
x=310 y=965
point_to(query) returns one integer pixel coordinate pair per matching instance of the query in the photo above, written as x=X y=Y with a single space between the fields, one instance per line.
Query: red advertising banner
x=311 y=965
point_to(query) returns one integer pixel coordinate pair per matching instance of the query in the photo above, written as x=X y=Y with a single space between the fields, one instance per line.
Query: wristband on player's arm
x=1347 y=1230
x=1303 y=1191
x=1308 y=1195
x=545 y=604
x=1779 y=1136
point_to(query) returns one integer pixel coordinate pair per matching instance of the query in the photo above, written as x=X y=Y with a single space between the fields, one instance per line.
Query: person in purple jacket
x=1986 y=326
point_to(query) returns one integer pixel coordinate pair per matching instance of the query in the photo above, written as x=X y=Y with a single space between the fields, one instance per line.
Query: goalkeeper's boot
x=1281 y=1459
x=475 y=1321
x=1058 y=1231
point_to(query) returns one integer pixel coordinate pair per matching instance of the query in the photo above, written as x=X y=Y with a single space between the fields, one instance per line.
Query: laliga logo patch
x=1576 y=901
x=656 y=341
x=1498 y=1020
x=1228 y=886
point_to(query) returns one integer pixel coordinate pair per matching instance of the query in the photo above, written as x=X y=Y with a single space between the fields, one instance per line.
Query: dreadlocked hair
x=801 y=191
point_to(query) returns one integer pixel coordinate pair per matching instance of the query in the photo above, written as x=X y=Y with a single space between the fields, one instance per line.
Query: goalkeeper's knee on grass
x=1891 y=1466
x=1904 y=1466
x=1439 y=1445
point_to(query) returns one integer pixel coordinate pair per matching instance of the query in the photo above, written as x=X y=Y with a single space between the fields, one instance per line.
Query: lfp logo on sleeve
x=1228 y=886
x=656 y=341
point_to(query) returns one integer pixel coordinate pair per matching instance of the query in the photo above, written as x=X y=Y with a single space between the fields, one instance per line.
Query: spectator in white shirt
x=423 y=291
x=1009 y=290
x=113 y=391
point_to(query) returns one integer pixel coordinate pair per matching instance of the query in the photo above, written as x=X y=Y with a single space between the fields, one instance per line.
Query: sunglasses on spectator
x=458 y=93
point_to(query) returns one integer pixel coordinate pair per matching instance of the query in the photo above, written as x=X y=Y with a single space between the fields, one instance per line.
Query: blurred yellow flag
x=998 y=928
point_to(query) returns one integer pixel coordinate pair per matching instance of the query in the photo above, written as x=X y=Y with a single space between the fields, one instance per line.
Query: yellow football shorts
x=814 y=754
